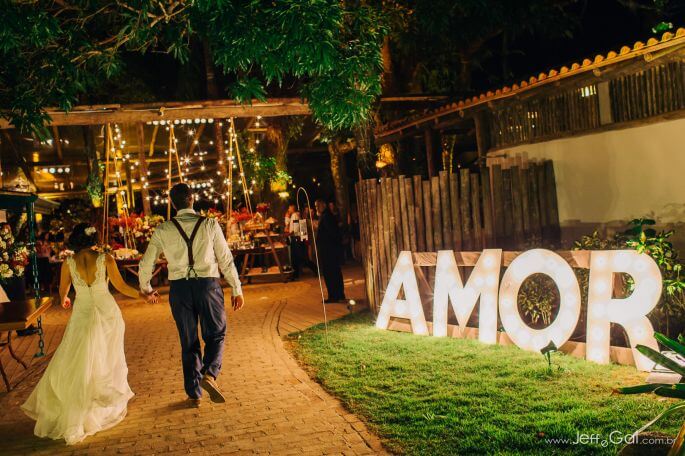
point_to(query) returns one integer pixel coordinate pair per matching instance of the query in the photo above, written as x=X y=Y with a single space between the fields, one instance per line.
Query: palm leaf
x=659 y=417
x=670 y=343
x=661 y=359
x=669 y=391
x=646 y=388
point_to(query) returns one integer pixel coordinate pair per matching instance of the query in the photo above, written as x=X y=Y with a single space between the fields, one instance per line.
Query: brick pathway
x=272 y=405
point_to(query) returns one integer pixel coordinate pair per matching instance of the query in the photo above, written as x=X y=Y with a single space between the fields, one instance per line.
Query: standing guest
x=291 y=228
x=44 y=252
x=335 y=211
x=328 y=243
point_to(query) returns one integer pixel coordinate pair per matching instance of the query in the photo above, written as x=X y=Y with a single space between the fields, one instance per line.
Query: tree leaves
x=53 y=53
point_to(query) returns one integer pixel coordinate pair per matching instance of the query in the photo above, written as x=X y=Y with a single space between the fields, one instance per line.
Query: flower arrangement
x=14 y=256
x=143 y=227
x=263 y=208
x=215 y=214
x=242 y=216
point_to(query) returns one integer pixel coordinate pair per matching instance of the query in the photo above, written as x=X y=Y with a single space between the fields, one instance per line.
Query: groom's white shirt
x=210 y=252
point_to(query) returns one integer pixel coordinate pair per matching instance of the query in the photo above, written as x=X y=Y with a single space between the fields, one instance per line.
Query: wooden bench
x=17 y=315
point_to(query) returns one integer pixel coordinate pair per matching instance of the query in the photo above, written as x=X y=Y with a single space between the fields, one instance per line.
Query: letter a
x=483 y=283
x=410 y=308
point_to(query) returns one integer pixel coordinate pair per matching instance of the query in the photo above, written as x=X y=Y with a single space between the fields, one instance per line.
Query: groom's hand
x=152 y=298
x=237 y=302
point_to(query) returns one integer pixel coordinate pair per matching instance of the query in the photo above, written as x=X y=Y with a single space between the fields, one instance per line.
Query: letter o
x=539 y=261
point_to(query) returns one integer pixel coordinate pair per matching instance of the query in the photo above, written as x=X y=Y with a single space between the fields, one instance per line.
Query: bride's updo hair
x=82 y=237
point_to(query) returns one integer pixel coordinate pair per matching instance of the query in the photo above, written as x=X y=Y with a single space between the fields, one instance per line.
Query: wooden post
x=465 y=209
x=445 y=212
x=477 y=239
x=57 y=144
x=169 y=170
x=488 y=228
x=130 y=200
x=508 y=213
x=517 y=206
x=482 y=135
x=436 y=213
x=428 y=216
x=498 y=204
x=455 y=210
x=430 y=158
x=142 y=160
x=418 y=214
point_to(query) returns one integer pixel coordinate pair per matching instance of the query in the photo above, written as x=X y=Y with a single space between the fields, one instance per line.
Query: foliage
x=537 y=296
x=94 y=185
x=440 y=42
x=676 y=391
x=54 y=52
x=447 y=396
x=547 y=351
x=70 y=213
x=642 y=237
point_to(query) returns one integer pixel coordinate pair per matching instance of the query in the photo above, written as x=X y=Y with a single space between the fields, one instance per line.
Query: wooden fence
x=509 y=208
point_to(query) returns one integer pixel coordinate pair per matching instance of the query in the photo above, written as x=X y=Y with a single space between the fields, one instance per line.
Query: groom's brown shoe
x=209 y=384
x=194 y=403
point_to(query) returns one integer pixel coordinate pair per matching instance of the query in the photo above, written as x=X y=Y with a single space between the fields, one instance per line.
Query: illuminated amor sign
x=495 y=298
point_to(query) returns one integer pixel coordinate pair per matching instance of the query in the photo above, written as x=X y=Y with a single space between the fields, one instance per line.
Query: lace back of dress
x=76 y=278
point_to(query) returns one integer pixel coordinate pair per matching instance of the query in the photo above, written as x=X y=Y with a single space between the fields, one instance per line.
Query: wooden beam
x=170 y=111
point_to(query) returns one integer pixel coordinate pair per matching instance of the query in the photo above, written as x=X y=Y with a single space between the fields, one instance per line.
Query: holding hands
x=151 y=298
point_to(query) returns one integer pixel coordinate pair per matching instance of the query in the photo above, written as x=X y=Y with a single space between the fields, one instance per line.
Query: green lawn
x=426 y=395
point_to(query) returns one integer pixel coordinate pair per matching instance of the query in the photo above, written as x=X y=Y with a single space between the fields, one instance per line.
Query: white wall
x=615 y=176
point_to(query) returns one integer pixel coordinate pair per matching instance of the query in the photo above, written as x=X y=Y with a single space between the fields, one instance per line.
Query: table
x=269 y=248
x=131 y=265
x=16 y=315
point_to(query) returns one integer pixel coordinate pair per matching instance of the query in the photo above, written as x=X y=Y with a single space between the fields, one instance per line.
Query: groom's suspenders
x=189 y=242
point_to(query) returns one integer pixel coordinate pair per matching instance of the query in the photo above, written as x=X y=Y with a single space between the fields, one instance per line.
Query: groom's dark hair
x=181 y=196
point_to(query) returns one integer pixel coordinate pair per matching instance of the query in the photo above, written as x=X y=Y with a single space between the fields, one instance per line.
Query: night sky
x=605 y=25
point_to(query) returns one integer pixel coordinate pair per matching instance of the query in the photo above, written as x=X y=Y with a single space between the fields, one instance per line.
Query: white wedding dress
x=84 y=389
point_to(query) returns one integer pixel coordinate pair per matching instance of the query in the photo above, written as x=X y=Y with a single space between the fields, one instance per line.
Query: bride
x=84 y=389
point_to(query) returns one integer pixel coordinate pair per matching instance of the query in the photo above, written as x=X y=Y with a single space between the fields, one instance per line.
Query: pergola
x=59 y=166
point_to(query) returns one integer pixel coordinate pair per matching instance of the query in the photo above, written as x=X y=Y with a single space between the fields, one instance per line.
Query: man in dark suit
x=329 y=246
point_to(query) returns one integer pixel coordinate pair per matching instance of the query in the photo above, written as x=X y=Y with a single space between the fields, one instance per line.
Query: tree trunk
x=340 y=182
x=276 y=137
x=388 y=78
x=210 y=76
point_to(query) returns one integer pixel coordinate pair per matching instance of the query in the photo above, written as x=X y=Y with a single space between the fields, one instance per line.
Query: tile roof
x=667 y=40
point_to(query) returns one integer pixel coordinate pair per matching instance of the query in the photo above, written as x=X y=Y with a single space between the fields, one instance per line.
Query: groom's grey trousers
x=192 y=300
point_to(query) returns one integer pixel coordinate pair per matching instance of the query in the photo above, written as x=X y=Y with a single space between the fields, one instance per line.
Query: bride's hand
x=66 y=303
x=152 y=298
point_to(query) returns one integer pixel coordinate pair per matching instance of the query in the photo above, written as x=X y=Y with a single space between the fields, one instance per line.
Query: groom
x=195 y=249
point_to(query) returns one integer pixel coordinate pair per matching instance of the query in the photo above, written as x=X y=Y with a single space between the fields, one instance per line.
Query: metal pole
x=31 y=215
